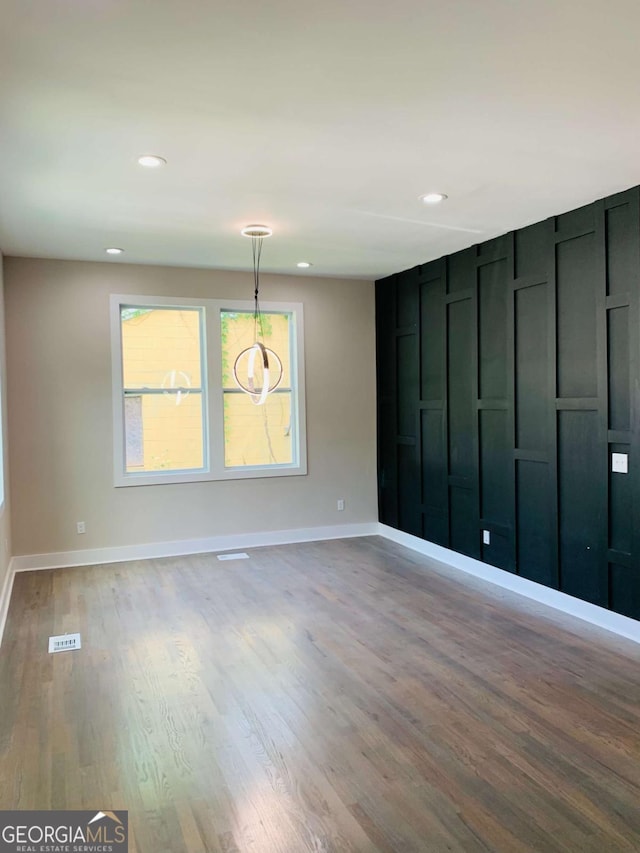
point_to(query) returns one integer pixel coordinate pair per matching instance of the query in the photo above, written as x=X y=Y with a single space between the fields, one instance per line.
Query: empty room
x=320 y=427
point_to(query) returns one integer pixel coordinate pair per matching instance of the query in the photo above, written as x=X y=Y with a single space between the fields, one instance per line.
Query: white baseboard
x=182 y=547
x=623 y=626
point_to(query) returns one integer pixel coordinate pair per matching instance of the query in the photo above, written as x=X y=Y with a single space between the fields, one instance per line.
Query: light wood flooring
x=332 y=696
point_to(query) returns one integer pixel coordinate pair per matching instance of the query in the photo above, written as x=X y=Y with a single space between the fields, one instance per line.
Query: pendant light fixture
x=258 y=357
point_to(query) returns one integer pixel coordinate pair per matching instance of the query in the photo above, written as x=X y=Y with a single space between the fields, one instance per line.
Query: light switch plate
x=486 y=537
x=620 y=463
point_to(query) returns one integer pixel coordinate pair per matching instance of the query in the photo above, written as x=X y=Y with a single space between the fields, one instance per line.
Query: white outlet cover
x=620 y=463
x=486 y=537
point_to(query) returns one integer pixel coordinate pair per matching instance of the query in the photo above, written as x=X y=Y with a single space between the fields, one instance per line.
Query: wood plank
x=332 y=696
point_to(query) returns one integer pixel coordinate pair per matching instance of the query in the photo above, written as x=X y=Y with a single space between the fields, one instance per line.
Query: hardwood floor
x=333 y=696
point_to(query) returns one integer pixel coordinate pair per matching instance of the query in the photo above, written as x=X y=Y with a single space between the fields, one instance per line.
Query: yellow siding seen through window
x=161 y=351
x=256 y=435
x=161 y=358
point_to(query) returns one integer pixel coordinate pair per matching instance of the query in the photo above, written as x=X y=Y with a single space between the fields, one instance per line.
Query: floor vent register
x=64 y=643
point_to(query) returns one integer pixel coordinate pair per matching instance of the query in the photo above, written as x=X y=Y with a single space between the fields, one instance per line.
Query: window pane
x=134 y=444
x=163 y=400
x=256 y=435
x=238 y=333
x=161 y=347
x=171 y=428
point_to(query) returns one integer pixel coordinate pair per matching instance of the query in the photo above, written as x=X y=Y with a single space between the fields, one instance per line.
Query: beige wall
x=60 y=411
x=5 y=520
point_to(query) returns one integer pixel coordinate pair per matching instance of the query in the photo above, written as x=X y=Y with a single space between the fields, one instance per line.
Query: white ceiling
x=325 y=120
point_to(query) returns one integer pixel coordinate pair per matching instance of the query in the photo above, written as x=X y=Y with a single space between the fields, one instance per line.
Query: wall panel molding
x=538 y=334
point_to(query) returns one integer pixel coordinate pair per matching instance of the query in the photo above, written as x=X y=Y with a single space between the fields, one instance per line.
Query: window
x=179 y=413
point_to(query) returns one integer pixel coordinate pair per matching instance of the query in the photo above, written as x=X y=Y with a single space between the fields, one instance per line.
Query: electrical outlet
x=486 y=537
x=81 y=527
x=620 y=463
x=340 y=504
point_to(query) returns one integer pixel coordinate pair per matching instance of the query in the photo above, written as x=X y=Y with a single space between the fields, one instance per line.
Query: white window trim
x=214 y=468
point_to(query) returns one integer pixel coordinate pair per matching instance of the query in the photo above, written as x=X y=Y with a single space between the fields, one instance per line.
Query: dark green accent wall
x=508 y=374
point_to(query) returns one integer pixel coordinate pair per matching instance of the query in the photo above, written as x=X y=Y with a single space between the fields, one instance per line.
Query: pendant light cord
x=256 y=245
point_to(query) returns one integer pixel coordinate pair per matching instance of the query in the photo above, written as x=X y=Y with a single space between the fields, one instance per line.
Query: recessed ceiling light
x=304 y=265
x=114 y=251
x=433 y=198
x=152 y=161
x=257 y=231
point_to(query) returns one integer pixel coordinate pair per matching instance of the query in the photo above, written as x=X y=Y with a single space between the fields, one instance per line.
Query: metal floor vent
x=64 y=643
x=239 y=555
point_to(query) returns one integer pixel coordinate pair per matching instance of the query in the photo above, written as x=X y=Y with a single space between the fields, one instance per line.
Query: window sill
x=158 y=479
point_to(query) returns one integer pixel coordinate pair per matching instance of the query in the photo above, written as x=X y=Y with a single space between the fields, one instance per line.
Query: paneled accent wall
x=508 y=376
